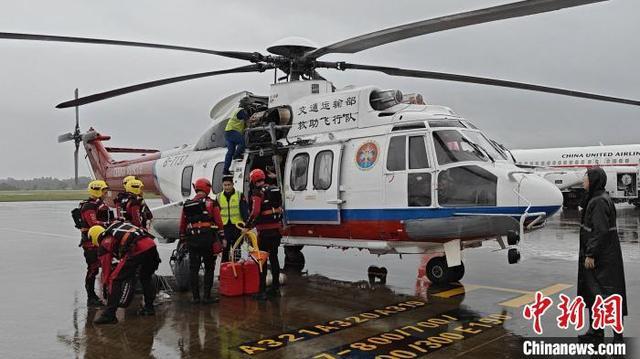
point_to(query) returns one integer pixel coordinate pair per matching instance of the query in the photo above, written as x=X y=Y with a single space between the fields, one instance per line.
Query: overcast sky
x=590 y=48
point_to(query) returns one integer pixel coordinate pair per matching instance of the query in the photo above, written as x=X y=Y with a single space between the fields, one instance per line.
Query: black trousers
x=144 y=264
x=231 y=234
x=201 y=253
x=269 y=241
x=93 y=266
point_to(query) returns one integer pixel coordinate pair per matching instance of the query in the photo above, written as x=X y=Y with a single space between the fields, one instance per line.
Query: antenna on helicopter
x=76 y=137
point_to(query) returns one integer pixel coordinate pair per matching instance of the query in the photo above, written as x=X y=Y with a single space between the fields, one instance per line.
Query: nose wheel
x=513 y=256
x=438 y=272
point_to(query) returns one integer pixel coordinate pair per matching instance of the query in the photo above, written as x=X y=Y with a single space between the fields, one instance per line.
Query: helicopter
x=358 y=167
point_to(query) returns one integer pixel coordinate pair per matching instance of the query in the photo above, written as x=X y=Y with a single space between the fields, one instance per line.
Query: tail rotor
x=76 y=137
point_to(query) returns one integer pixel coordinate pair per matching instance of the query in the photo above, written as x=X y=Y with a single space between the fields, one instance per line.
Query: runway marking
x=526 y=297
x=456 y=291
x=419 y=338
x=309 y=332
x=530 y=297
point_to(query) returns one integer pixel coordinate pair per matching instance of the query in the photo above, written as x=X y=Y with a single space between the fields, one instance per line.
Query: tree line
x=43 y=183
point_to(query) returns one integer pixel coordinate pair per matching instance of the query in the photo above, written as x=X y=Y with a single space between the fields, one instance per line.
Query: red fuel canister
x=231 y=282
x=251 y=277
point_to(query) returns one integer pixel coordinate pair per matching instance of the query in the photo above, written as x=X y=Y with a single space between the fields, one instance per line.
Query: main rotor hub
x=292 y=47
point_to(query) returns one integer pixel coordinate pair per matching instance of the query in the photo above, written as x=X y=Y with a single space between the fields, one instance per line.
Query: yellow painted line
x=519 y=291
x=530 y=296
x=456 y=291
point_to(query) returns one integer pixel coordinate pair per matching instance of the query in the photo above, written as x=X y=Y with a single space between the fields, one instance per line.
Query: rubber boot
x=210 y=299
x=146 y=311
x=94 y=301
x=260 y=296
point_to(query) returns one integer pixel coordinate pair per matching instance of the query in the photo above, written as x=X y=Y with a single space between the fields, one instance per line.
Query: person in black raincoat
x=600 y=268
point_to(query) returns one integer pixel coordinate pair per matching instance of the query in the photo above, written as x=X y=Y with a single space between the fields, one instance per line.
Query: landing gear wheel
x=438 y=271
x=293 y=259
x=456 y=273
x=513 y=256
x=513 y=238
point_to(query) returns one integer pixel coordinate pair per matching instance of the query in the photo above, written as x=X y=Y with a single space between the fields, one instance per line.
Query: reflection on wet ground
x=331 y=311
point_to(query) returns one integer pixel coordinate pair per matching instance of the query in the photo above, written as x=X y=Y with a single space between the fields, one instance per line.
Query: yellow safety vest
x=230 y=209
x=235 y=124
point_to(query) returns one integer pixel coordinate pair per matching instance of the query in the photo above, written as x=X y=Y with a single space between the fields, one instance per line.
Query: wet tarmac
x=331 y=311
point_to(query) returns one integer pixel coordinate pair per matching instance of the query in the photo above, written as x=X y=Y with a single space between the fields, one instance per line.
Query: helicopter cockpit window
x=187 y=174
x=397 y=156
x=299 y=170
x=322 y=170
x=212 y=138
x=417 y=153
x=451 y=146
x=479 y=139
x=216 y=180
x=466 y=186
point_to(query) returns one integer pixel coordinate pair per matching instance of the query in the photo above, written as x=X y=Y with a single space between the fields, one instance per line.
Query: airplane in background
x=565 y=167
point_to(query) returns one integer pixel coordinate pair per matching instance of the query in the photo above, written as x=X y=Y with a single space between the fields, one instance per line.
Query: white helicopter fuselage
x=406 y=179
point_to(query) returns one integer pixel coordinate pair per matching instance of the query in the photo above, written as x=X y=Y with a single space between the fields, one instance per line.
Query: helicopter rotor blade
x=66 y=137
x=75 y=163
x=249 y=56
x=146 y=85
x=406 y=31
x=393 y=71
x=77 y=128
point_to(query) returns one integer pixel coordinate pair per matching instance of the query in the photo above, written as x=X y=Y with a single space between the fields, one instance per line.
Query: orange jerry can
x=251 y=274
x=231 y=279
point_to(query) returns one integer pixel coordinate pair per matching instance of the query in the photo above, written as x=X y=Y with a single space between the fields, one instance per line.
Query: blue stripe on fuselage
x=391 y=214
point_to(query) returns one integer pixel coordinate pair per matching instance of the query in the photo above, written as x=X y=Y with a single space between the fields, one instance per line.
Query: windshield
x=479 y=139
x=451 y=146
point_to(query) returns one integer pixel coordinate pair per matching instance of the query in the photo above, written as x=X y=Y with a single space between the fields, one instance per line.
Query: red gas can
x=231 y=282
x=251 y=277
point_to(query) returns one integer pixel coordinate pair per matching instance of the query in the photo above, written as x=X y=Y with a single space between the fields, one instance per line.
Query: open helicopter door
x=312 y=185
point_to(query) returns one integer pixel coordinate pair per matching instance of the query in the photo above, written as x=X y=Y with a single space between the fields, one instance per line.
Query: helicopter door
x=408 y=175
x=312 y=182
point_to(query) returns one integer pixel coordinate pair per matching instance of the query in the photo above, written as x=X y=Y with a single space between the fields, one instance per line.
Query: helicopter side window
x=187 y=174
x=322 y=170
x=396 y=156
x=216 y=179
x=466 y=186
x=417 y=153
x=419 y=189
x=299 y=170
x=452 y=147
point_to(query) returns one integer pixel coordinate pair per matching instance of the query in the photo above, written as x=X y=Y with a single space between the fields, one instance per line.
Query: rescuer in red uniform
x=136 y=210
x=123 y=197
x=201 y=227
x=137 y=253
x=92 y=212
x=266 y=216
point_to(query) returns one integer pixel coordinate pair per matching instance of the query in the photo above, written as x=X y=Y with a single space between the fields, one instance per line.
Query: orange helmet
x=202 y=184
x=256 y=175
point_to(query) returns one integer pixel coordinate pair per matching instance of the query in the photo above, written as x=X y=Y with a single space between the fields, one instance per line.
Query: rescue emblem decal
x=367 y=155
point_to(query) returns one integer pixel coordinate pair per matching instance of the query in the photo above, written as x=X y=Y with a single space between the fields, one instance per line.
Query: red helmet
x=202 y=184
x=257 y=175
